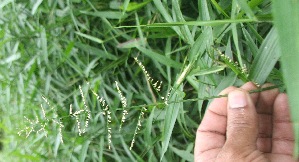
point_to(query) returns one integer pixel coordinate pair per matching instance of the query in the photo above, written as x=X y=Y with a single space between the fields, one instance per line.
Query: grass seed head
x=156 y=85
x=140 y=118
x=124 y=105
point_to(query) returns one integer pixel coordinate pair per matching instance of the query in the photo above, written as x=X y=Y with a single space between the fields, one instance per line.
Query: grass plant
x=109 y=80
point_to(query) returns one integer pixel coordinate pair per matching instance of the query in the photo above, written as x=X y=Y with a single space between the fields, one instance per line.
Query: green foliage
x=51 y=48
x=285 y=15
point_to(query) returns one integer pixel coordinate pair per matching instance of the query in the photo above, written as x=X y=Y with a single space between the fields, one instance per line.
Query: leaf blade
x=172 y=111
x=160 y=58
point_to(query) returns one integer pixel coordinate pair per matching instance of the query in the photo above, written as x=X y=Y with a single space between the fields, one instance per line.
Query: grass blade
x=162 y=59
x=218 y=7
x=172 y=111
x=196 y=23
x=266 y=58
x=184 y=29
x=246 y=9
x=35 y=6
x=203 y=41
x=95 y=51
x=132 y=6
x=198 y=71
x=4 y=3
x=186 y=155
x=286 y=15
x=92 y=38
x=106 y=14
x=125 y=6
x=166 y=16
x=84 y=150
x=235 y=33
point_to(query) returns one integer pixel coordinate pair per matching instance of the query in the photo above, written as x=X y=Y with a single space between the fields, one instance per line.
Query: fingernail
x=237 y=99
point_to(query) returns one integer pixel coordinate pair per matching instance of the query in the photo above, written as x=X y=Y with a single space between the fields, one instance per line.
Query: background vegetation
x=49 y=48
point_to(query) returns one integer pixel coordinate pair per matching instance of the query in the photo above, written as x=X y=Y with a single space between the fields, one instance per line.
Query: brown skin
x=261 y=131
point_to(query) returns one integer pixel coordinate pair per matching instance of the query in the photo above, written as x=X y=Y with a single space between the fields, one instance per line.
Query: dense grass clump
x=109 y=80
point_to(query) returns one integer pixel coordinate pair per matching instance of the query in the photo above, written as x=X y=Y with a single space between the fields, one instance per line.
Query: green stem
x=163 y=104
x=207 y=98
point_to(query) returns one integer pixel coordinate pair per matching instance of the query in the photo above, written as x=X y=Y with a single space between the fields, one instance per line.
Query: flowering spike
x=124 y=105
x=140 y=118
x=40 y=125
x=148 y=77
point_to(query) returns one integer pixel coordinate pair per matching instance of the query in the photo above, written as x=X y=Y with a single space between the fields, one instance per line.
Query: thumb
x=242 y=121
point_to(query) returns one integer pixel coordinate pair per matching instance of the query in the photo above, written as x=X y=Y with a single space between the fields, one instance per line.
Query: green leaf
x=83 y=151
x=242 y=74
x=44 y=44
x=160 y=58
x=218 y=7
x=35 y=6
x=56 y=145
x=250 y=42
x=202 y=42
x=285 y=14
x=225 y=82
x=114 y=64
x=235 y=33
x=5 y=2
x=201 y=23
x=184 y=29
x=265 y=60
x=2 y=33
x=125 y=5
x=90 y=66
x=131 y=43
x=106 y=14
x=163 y=11
x=185 y=155
x=101 y=148
x=148 y=127
x=95 y=51
x=92 y=38
x=214 y=69
x=246 y=8
x=172 y=111
x=135 y=6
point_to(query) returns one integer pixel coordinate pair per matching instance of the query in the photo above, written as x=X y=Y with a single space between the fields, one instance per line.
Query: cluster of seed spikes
x=76 y=114
x=167 y=97
x=230 y=62
x=140 y=118
x=106 y=112
x=124 y=105
x=156 y=85
x=41 y=126
x=241 y=72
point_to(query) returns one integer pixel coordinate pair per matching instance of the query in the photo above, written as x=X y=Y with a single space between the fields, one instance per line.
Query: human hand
x=246 y=127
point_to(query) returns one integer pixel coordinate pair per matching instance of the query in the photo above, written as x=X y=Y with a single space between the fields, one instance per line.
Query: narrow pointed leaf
x=172 y=111
x=286 y=15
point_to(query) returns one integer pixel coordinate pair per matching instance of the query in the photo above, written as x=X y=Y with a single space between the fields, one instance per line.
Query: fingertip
x=249 y=86
x=219 y=104
x=241 y=119
x=237 y=99
x=227 y=90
